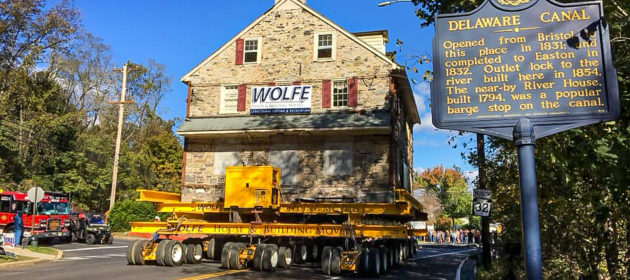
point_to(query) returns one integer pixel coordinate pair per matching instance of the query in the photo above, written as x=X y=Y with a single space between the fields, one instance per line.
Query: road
x=105 y=262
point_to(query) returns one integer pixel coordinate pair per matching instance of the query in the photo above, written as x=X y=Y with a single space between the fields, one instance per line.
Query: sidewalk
x=36 y=258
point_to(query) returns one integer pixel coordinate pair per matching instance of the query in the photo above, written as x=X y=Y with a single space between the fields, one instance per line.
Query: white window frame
x=332 y=93
x=258 y=50
x=222 y=109
x=316 y=46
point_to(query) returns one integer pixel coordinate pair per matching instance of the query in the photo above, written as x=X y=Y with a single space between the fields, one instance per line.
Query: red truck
x=51 y=218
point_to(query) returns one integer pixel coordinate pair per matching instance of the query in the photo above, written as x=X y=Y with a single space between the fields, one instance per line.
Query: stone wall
x=286 y=56
x=368 y=180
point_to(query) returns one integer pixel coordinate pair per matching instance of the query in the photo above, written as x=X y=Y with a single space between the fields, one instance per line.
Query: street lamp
x=387 y=3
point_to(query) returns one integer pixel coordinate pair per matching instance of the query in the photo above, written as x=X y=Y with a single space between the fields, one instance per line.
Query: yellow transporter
x=253 y=227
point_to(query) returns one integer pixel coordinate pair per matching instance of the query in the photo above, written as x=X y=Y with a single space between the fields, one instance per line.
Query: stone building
x=297 y=91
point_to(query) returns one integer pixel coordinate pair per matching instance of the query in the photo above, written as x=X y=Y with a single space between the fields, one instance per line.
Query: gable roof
x=340 y=29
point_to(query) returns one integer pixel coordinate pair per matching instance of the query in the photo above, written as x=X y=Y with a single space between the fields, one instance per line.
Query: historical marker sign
x=542 y=60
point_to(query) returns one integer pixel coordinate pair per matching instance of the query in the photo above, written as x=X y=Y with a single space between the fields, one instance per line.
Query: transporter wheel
x=194 y=253
x=159 y=252
x=225 y=255
x=404 y=250
x=131 y=258
x=235 y=262
x=285 y=257
x=137 y=252
x=315 y=251
x=174 y=253
x=270 y=258
x=327 y=259
x=396 y=254
x=390 y=257
x=211 y=252
x=363 y=266
x=374 y=262
x=90 y=239
x=335 y=261
x=383 y=251
x=110 y=239
x=258 y=256
x=300 y=250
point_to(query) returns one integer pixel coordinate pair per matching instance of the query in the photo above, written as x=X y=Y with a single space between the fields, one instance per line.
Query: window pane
x=324 y=53
x=340 y=94
x=325 y=40
x=251 y=45
x=229 y=101
x=251 y=56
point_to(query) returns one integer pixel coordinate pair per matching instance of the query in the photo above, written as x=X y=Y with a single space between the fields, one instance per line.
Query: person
x=18 y=226
x=156 y=219
x=470 y=237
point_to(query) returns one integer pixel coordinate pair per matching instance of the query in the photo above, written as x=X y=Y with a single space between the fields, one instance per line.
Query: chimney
x=276 y=1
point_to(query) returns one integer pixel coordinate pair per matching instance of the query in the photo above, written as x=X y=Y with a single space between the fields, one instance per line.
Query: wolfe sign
x=510 y=59
x=294 y=99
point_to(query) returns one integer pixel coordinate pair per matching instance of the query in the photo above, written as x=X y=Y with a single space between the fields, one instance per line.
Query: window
x=340 y=94
x=229 y=100
x=324 y=46
x=223 y=160
x=338 y=156
x=251 y=51
x=287 y=161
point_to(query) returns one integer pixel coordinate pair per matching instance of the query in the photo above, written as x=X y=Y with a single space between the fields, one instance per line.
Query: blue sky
x=181 y=33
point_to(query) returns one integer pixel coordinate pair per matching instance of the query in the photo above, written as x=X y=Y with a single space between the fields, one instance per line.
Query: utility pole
x=485 y=221
x=121 y=112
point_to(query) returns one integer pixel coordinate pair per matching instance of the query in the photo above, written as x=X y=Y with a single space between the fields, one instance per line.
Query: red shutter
x=297 y=83
x=242 y=96
x=240 y=44
x=353 y=90
x=326 y=94
x=271 y=84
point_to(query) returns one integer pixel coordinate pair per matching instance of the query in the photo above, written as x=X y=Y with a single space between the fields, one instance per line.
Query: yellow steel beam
x=273 y=229
x=158 y=196
x=404 y=196
x=147 y=227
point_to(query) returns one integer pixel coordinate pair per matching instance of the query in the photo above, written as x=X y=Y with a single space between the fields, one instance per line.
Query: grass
x=6 y=259
x=43 y=250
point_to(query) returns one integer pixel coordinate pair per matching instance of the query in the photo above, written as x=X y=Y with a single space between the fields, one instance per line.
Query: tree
x=451 y=189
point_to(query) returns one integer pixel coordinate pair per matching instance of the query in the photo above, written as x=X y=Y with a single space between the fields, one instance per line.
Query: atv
x=91 y=229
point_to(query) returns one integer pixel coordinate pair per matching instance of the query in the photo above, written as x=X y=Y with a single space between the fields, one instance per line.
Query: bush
x=130 y=211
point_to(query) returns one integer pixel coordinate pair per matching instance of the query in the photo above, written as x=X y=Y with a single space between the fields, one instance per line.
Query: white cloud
x=422 y=93
x=426 y=123
x=418 y=169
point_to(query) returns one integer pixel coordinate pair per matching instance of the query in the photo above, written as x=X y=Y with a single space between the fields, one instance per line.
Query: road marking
x=107 y=256
x=212 y=275
x=459 y=269
x=444 y=254
x=94 y=248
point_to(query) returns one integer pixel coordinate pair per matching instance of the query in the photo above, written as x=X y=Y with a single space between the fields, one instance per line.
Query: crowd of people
x=456 y=236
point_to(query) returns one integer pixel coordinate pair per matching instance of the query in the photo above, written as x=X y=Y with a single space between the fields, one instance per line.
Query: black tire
x=396 y=254
x=159 y=252
x=326 y=260
x=235 y=262
x=384 y=259
x=404 y=250
x=225 y=255
x=137 y=252
x=194 y=253
x=374 y=262
x=363 y=266
x=300 y=253
x=110 y=239
x=390 y=257
x=270 y=258
x=285 y=257
x=211 y=252
x=315 y=252
x=258 y=256
x=174 y=253
x=90 y=239
x=130 y=252
x=335 y=261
